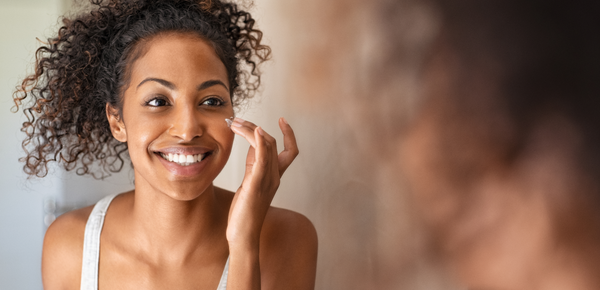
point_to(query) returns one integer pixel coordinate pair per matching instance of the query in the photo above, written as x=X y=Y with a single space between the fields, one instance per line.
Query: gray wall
x=21 y=201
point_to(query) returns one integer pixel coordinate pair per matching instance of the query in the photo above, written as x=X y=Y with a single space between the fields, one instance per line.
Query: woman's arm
x=247 y=216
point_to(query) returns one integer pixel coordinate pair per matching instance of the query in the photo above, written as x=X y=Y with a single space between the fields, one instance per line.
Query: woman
x=159 y=80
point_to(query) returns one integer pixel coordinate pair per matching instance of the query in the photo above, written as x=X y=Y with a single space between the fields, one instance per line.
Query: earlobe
x=116 y=123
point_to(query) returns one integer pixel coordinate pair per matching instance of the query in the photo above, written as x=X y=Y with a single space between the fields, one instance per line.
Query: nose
x=186 y=123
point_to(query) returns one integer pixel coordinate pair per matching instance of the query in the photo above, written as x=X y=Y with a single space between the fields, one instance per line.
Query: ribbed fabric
x=91 y=248
x=91 y=244
x=223 y=282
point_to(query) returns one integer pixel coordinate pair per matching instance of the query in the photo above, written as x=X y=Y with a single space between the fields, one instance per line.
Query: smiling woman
x=159 y=80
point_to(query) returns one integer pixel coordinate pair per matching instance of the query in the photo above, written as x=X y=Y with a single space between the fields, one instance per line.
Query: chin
x=188 y=191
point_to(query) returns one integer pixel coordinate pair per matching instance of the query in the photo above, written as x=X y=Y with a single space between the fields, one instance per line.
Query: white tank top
x=91 y=248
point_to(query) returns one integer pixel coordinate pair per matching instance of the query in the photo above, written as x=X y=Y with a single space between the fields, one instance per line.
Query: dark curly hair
x=86 y=66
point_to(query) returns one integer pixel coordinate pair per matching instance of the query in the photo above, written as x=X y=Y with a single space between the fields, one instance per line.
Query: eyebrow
x=165 y=83
x=210 y=83
x=171 y=86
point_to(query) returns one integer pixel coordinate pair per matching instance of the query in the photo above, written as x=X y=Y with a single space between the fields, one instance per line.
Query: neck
x=179 y=228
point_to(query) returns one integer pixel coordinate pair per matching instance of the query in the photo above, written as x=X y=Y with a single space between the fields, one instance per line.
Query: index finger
x=245 y=129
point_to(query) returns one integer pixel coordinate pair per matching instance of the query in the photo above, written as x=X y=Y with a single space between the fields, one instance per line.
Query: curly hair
x=86 y=66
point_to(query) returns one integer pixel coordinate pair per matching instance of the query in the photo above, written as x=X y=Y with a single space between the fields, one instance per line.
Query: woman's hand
x=264 y=168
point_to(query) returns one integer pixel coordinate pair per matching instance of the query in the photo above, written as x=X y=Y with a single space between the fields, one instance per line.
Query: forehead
x=178 y=58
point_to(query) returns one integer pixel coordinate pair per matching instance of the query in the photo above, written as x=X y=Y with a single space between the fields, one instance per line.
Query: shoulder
x=289 y=248
x=282 y=228
x=63 y=250
x=281 y=225
x=286 y=225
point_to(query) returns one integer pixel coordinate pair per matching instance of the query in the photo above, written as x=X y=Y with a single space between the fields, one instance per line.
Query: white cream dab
x=229 y=121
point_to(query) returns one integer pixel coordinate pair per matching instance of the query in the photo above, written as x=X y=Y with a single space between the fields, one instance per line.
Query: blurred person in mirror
x=503 y=156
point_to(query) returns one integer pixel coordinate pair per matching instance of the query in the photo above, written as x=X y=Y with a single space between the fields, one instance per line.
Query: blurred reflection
x=486 y=112
x=503 y=158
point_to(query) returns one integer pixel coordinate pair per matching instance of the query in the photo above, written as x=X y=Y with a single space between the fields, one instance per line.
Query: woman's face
x=174 y=113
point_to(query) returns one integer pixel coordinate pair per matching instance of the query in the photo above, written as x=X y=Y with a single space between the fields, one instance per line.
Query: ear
x=117 y=127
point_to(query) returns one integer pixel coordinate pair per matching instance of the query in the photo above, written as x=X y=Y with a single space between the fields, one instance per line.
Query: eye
x=213 y=102
x=157 y=102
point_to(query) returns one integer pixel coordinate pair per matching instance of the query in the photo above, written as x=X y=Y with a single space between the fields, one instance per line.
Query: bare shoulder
x=63 y=250
x=282 y=228
x=289 y=248
x=290 y=226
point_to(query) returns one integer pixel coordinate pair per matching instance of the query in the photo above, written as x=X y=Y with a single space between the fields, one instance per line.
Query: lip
x=184 y=171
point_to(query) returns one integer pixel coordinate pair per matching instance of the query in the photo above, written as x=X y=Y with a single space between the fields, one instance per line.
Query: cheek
x=218 y=129
x=141 y=130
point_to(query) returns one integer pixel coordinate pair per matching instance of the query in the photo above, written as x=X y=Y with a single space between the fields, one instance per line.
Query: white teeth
x=182 y=159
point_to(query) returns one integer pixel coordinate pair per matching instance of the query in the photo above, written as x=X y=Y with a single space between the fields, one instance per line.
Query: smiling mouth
x=182 y=159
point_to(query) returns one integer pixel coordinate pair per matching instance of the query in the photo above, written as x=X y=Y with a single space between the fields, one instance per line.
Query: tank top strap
x=91 y=244
x=223 y=281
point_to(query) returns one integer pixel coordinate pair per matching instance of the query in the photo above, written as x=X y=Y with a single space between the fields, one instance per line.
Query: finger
x=290 y=147
x=289 y=138
x=254 y=165
x=245 y=129
x=260 y=156
x=271 y=150
x=250 y=159
x=271 y=145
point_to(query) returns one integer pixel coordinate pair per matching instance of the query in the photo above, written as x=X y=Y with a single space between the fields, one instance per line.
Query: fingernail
x=238 y=122
x=229 y=122
x=285 y=121
x=261 y=132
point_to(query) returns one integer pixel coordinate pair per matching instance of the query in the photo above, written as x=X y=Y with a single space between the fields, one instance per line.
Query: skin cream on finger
x=229 y=121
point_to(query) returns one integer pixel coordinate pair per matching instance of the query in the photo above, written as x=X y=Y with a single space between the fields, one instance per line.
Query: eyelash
x=219 y=101
x=148 y=103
